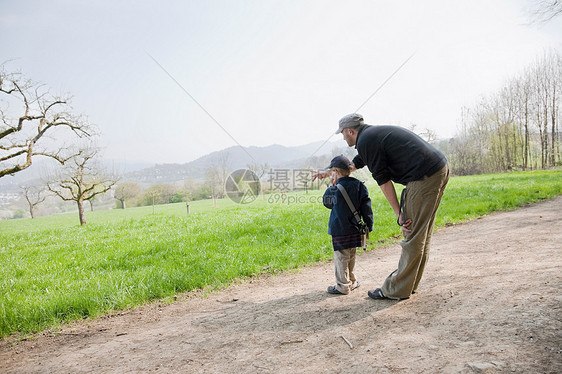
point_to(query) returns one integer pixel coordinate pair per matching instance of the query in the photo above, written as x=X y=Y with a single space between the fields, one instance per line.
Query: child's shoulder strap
x=348 y=201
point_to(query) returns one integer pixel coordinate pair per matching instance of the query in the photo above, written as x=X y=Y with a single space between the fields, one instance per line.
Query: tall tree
x=80 y=179
x=553 y=64
x=524 y=93
x=31 y=117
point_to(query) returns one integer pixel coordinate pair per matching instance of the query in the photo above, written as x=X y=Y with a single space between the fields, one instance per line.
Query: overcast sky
x=269 y=72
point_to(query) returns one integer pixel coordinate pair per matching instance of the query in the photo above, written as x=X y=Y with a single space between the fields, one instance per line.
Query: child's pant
x=344 y=263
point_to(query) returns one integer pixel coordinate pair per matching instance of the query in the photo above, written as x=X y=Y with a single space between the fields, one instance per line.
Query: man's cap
x=340 y=162
x=351 y=120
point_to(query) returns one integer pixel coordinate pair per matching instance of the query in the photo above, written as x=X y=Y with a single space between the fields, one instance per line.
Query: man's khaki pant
x=421 y=202
x=344 y=263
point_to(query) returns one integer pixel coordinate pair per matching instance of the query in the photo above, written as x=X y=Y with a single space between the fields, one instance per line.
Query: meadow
x=55 y=271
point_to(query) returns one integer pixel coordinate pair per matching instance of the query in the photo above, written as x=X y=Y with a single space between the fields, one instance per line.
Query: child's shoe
x=334 y=291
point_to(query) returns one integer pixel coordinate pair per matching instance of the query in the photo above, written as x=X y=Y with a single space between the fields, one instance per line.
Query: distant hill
x=313 y=155
x=33 y=174
x=236 y=157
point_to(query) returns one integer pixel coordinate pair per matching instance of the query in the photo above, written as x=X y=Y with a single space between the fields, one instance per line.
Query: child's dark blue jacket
x=342 y=220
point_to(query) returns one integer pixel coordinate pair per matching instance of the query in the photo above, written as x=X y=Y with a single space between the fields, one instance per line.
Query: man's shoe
x=377 y=295
x=355 y=285
x=334 y=291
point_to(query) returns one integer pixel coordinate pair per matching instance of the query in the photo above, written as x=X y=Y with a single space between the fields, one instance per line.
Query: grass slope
x=54 y=270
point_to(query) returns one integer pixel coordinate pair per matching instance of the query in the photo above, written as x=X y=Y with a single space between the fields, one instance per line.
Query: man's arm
x=390 y=193
x=321 y=174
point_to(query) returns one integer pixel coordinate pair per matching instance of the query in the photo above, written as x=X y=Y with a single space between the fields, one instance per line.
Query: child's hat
x=340 y=162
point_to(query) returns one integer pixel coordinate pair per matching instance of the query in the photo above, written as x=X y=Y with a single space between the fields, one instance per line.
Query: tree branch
x=41 y=110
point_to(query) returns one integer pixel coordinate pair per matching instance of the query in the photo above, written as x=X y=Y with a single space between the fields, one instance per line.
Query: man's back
x=397 y=154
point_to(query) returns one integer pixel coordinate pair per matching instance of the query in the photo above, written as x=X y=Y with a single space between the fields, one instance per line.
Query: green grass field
x=54 y=270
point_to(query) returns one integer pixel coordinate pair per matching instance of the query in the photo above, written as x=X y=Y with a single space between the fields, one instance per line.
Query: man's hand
x=404 y=224
x=320 y=174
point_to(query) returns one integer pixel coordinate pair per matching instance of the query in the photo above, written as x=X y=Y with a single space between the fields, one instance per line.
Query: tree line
x=516 y=128
x=132 y=194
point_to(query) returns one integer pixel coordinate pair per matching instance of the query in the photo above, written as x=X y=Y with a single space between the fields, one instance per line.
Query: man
x=394 y=154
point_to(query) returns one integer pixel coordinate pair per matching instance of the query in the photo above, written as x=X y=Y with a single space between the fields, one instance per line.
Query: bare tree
x=81 y=178
x=223 y=167
x=553 y=66
x=524 y=93
x=258 y=168
x=125 y=191
x=34 y=195
x=428 y=135
x=31 y=118
x=542 y=11
x=215 y=177
x=465 y=149
x=543 y=105
x=214 y=183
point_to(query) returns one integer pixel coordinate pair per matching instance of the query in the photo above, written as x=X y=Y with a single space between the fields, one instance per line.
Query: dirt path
x=490 y=301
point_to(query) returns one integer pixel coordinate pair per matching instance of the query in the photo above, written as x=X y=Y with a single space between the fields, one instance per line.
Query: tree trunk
x=553 y=129
x=545 y=142
x=526 y=150
x=81 y=212
x=558 y=142
x=541 y=139
x=507 y=149
x=545 y=131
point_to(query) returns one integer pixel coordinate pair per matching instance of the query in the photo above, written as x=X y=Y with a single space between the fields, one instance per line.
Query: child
x=342 y=226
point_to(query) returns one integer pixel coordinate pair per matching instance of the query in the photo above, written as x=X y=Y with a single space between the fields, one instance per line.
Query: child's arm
x=329 y=198
x=365 y=206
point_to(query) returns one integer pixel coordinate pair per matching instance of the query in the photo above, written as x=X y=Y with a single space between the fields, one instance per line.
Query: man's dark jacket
x=394 y=153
